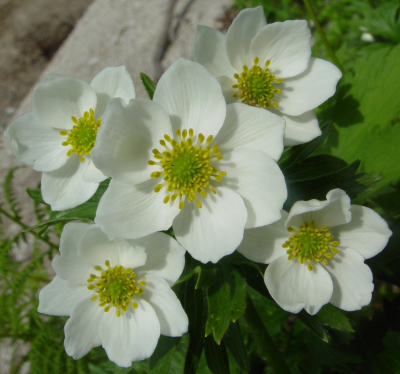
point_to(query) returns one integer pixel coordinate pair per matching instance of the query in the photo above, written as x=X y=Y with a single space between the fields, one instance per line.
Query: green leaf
x=234 y=342
x=206 y=273
x=119 y=370
x=216 y=356
x=390 y=357
x=36 y=195
x=314 y=325
x=333 y=317
x=148 y=84
x=53 y=222
x=160 y=360
x=226 y=301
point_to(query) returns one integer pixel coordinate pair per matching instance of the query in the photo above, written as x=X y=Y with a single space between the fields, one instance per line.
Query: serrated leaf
x=148 y=84
x=226 y=301
x=234 y=342
x=333 y=317
x=160 y=360
x=216 y=356
x=314 y=325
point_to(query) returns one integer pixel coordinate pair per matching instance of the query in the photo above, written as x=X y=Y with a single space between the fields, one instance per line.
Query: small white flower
x=57 y=136
x=117 y=293
x=188 y=160
x=316 y=253
x=269 y=66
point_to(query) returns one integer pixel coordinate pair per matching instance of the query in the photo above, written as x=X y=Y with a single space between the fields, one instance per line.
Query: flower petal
x=92 y=174
x=227 y=89
x=58 y=298
x=216 y=229
x=294 y=287
x=173 y=319
x=251 y=128
x=96 y=247
x=165 y=256
x=264 y=244
x=131 y=212
x=192 y=97
x=209 y=49
x=367 y=233
x=256 y=177
x=309 y=89
x=82 y=329
x=131 y=337
x=286 y=44
x=36 y=145
x=352 y=280
x=58 y=97
x=126 y=138
x=65 y=188
x=243 y=29
x=300 y=129
x=333 y=211
x=110 y=83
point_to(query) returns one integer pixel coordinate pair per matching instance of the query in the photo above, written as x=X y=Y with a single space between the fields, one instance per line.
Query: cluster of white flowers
x=200 y=157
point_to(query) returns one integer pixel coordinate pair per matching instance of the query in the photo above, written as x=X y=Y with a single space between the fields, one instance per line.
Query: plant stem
x=10 y=217
x=274 y=357
x=311 y=11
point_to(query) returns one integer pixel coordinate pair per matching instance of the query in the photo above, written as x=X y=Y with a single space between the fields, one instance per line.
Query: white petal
x=165 y=256
x=173 y=319
x=96 y=247
x=209 y=49
x=300 y=129
x=65 y=188
x=294 y=287
x=71 y=235
x=251 y=128
x=58 y=298
x=227 y=89
x=126 y=138
x=36 y=145
x=82 y=329
x=216 y=229
x=309 y=89
x=58 y=97
x=264 y=244
x=352 y=280
x=192 y=97
x=256 y=177
x=333 y=211
x=131 y=337
x=92 y=174
x=110 y=83
x=243 y=29
x=367 y=233
x=286 y=44
x=131 y=212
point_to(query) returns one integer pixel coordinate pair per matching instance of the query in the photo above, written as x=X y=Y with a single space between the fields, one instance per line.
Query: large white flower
x=188 y=160
x=116 y=292
x=316 y=253
x=57 y=136
x=269 y=66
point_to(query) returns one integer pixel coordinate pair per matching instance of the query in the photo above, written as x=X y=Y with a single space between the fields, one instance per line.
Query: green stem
x=322 y=34
x=274 y=356
x=44 y=240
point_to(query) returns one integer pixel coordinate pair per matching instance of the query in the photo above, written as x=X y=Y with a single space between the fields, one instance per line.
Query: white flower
x=269 y=66
x=188 y=160
x=316 y=253
x=57 y=136
x=116 y=292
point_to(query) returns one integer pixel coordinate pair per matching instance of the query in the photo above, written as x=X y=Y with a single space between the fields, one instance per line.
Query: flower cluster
x=201 y=157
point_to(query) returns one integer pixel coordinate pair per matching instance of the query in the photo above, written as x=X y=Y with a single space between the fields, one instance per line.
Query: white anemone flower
x=116 y=292
x=316 y=253
x=188 y=160
x=57 y=136
x=269 y=66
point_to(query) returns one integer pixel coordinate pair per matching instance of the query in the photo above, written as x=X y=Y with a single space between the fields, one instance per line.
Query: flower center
x=186 y=167
x=82 y=137
x=256 y=86
x=310 y=243
x=115 y=287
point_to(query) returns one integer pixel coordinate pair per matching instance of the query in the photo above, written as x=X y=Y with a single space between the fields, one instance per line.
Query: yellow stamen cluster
x=82 y=137
x=115 y=287
x=256 y=86
x=186 y=167
x=311 y=244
